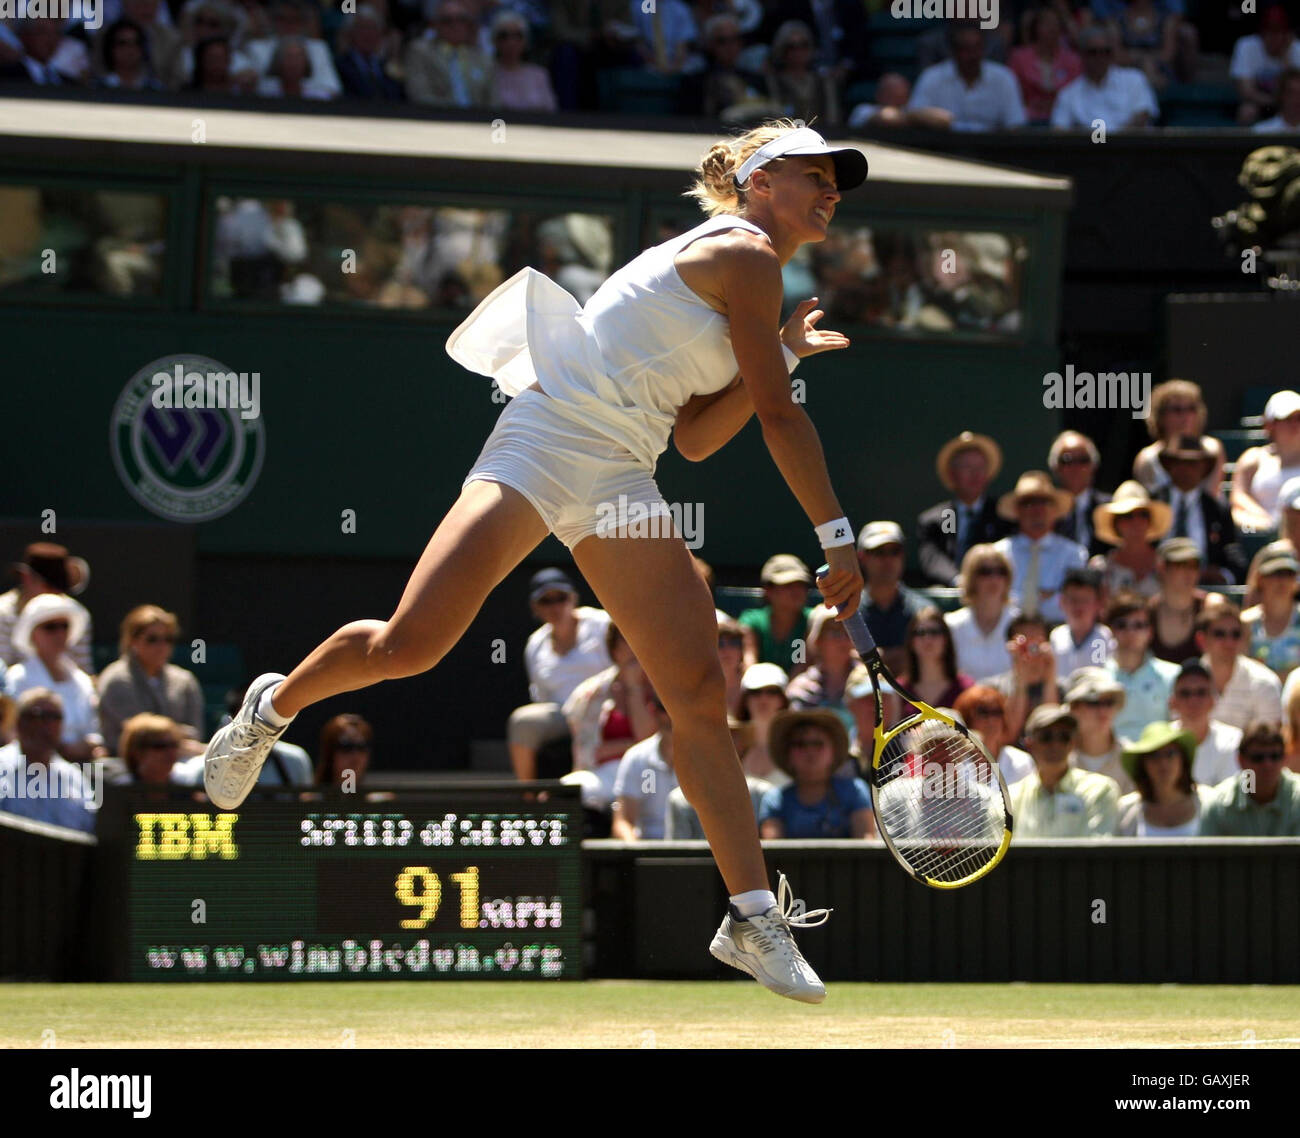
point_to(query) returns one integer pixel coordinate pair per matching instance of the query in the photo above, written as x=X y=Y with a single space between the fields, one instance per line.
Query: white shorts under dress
x=580 y=481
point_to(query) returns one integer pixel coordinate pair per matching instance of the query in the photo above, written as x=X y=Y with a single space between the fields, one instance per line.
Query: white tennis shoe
x=236 y=753
x=764 y=947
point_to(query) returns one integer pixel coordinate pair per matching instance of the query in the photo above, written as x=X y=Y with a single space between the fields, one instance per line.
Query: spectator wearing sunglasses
x=1166 y=801
x=980 y=627
x=1177 y=409
x=1095 y=697
x=1248 y=691
x=343 y=760
x=1120 y=97
x=931 y=661
x=41 y=637
x=1263 y=799
x=1146 y=680
x=1082 y=641
x=142 y=679
x=1059 y=800
x=763 y=687
x=150 y=745
x=887 y=604
x=1217 y=744
x=984 y=710
x=516 y=84
x=1073 y=460
x=811 y=747
x=66 y=801
x=1128 y=524
x=823 y=682
x=566 y=649
x=444 y=66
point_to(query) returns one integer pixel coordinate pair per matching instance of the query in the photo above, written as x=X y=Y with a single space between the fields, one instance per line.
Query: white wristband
x=791 y=360
x=835 y=533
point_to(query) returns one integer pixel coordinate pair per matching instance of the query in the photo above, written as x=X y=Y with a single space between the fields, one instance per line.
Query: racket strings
x=939 y=801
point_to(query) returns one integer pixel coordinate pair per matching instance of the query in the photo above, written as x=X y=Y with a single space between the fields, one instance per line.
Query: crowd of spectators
x=1066 y=64
x=141 y=719
x=1096 y=649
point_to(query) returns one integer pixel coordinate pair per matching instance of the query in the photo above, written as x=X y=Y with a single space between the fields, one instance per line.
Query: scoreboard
x=474 y=880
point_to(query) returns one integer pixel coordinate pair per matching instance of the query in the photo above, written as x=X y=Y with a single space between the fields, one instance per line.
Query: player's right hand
x=842 y=586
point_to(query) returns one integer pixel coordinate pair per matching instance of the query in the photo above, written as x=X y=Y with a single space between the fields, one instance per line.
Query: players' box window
x=441 y=260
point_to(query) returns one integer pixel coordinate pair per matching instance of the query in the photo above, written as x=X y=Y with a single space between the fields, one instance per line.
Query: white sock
x=754 y=902
x=267 y=712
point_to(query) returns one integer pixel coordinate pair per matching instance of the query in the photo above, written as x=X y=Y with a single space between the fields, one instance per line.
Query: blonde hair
x=1166 y=393
x=140 y=618
x=976 y=556
x=715 y=189
x=138 y=729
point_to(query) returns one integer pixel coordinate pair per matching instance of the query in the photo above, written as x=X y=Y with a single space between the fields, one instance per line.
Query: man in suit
x=1073 y=461
x=362 y=68
x=40 y=38
x=1198 y=515
x=966 y=465
x=448 y=70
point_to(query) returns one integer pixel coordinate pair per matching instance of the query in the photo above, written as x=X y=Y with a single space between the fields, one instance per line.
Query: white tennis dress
x=612 y=376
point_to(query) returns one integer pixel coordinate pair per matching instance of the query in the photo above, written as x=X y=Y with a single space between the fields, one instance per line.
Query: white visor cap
x=850 y=163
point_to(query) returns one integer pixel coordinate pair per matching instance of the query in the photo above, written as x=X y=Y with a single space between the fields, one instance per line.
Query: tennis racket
x=940 y=801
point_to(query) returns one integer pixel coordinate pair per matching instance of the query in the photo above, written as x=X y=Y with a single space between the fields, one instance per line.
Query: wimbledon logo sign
x=190 y=459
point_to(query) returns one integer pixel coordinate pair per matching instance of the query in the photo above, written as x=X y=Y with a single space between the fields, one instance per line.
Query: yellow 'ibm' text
x=173 y=837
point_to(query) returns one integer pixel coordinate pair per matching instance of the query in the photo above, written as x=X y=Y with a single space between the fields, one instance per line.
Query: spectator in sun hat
x=1263 y=799
x=1074 y=460
x=771 y=632
x=1273 y=625
x=567 y=648
x=47 y=568
x=1198 y=514
x=1165 y=802
x=1191 y=704
x=41 y=635
x=1095 y=698
x=1177 y=408
x=887 y=604
x=763 y=687
x=1146 y=680
x=1059 y=800
x=966 y=465
x=1248 y=691
x=1262 y=471
x=811 y=746
x=1130 y=522
x=1039 y=557
x=1175 y=608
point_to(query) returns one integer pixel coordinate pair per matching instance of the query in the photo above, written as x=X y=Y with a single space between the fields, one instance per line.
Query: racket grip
x=855 y=626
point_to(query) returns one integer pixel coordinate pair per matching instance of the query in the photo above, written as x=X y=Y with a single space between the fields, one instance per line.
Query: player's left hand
x=802 y=336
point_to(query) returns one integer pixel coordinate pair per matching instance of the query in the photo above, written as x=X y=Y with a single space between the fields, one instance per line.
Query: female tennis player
x=684 y=341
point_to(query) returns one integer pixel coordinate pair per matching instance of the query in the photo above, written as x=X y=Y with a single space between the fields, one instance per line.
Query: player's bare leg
x=487 y=532
x=650 y=587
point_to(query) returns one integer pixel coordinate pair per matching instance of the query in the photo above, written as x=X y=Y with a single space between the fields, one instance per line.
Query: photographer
x=1032 y=678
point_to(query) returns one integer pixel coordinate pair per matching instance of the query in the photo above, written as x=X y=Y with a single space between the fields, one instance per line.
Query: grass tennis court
x=632 y=1014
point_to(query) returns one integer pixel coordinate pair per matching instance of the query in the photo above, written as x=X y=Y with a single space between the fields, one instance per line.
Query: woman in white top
x=44 y=629
x=1131 y=522
x=1177 y=409
x=1260 y=472
x=1166 y=803
x=685 y=343
x=979 y=628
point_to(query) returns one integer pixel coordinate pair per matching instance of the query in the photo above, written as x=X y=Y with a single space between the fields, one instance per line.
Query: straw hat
x=1034 y=484
x=1129 y=498
x=784 y=722
x=968 y=440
